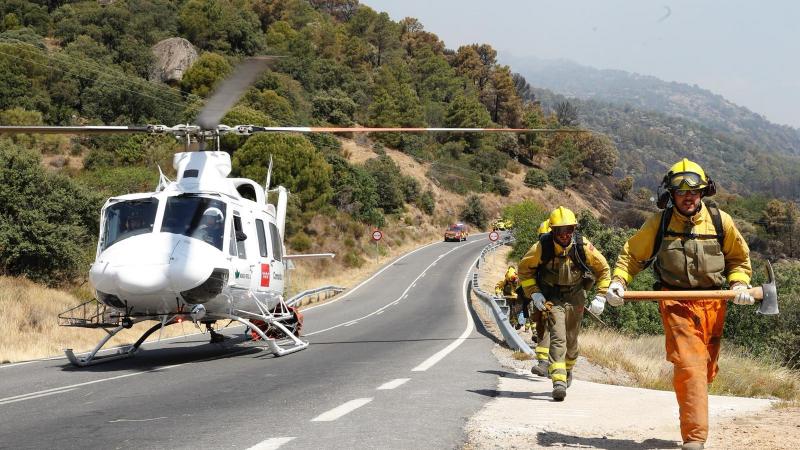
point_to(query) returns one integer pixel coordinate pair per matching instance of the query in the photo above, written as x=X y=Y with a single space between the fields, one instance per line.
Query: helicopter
x=203 y=248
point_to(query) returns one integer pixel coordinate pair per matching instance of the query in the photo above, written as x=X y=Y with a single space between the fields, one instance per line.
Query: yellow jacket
x=526 y=270
x=639 y=247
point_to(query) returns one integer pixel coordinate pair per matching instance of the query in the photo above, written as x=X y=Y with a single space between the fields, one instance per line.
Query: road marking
x=341 y=410
x=370 y=278
x=393 y=384
x=20 y=398
x=402 y=295
x=379 y=313
x=438 y=356
x=59 y=390
x=351 y=323
x=271 y=443
x=136 y=420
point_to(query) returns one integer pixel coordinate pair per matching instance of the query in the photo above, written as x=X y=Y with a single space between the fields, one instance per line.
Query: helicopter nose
x=154 y=263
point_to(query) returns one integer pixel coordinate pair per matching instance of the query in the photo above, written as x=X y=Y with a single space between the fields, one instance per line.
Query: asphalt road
x=397 y=362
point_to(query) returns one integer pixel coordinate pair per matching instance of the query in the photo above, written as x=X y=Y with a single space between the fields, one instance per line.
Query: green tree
x=354 y=190
x=600 y=155
x=201 y=77
x=48 y=222
x=296 y=165
x=474 y=212
x=224 y=26
x=389 y=183
x=623 y=187
x=526 y=216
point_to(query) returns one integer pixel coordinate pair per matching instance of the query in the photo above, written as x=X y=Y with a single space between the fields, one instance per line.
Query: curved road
x=396 y=362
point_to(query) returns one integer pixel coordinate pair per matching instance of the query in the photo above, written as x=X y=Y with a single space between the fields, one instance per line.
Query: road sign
x=377 y=235
x=494 y=235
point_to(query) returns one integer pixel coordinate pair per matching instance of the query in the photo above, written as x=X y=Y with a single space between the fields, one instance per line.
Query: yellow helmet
x=686 y=174
x=562 y=217
x=544 y=227
x=511 y=274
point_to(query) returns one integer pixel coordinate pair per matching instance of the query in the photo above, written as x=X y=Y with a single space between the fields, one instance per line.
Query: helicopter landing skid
x=123 y=352
x=273 y=344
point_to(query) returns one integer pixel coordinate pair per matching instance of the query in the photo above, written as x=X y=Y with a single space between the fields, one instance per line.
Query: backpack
x=577 y=254
x=666 y=217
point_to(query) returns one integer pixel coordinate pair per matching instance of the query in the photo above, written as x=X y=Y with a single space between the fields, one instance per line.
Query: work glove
x=615 y=293
x=598 y=305
x=743 y=297
x=538 y=300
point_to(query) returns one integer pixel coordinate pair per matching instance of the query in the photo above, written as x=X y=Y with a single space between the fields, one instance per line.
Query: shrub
x=426 y=202
x=558 y=176
x=353 y=259
x=300 y=242
x=474 y=212
x=536 y=179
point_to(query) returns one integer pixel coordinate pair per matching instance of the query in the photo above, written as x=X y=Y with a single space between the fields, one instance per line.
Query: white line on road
x=438 y=356
x=271 y=443
x=20 y=398
x=341 y=410
x=58 y=390
x=402 y=295
x=393 y=384
x=136 y=420
x=369 y=279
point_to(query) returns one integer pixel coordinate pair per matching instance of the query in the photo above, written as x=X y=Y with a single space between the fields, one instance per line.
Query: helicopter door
x=242 y=270
x=269 y=265
x=276 y=259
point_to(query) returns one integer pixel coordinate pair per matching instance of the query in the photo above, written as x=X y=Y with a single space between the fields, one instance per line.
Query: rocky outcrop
x=173 y=58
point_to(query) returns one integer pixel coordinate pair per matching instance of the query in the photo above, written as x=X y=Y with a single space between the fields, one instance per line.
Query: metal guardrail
x=316 y=291
x=510 y=335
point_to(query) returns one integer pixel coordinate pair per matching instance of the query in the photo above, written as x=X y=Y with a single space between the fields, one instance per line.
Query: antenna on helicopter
x=163 y=181
x=269 y=174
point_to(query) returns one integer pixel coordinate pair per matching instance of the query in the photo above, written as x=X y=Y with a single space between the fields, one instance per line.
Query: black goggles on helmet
x=686 y=180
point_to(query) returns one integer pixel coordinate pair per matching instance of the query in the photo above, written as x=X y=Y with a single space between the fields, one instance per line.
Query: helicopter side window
x=128 y=218
x=277 y=246
x=240 y=236
x=262 y=238
x=197 y=217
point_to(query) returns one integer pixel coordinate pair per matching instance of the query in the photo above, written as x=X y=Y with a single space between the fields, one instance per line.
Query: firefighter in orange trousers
x=555 y=274
x=693 y=246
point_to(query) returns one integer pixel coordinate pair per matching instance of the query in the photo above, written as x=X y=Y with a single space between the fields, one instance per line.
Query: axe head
x=769 y=304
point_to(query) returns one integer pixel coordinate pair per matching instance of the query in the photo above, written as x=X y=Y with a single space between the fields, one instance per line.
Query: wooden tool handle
x=756 y=292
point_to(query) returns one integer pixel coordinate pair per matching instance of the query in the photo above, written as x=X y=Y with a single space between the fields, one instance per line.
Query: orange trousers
x=693 y=330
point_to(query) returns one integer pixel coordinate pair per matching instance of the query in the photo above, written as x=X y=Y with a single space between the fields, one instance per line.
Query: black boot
x=559 y=391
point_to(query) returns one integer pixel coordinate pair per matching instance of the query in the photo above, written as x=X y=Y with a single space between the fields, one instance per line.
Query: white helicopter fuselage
x=195 y=241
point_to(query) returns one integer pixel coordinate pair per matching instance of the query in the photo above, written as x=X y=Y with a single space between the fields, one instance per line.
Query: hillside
x=653 y=141
x=649 y=93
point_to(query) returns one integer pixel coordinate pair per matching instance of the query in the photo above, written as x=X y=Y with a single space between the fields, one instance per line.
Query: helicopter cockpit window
x=197 y=217
x=128 y=218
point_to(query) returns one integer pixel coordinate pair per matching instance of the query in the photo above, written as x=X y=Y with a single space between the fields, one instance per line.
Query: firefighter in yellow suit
x=554 y=274
x=507 y=288
x=542 y=348
x=692 y=254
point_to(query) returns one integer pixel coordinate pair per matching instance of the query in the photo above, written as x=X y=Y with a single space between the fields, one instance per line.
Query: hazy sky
x=747 y=51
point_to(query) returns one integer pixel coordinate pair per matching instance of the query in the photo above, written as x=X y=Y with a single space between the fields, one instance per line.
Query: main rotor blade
x=228 y=93
x=99 y=129
x=402 y=129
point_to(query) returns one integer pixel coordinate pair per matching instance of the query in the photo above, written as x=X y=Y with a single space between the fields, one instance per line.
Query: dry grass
x=29 y=323
x=643 y=358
